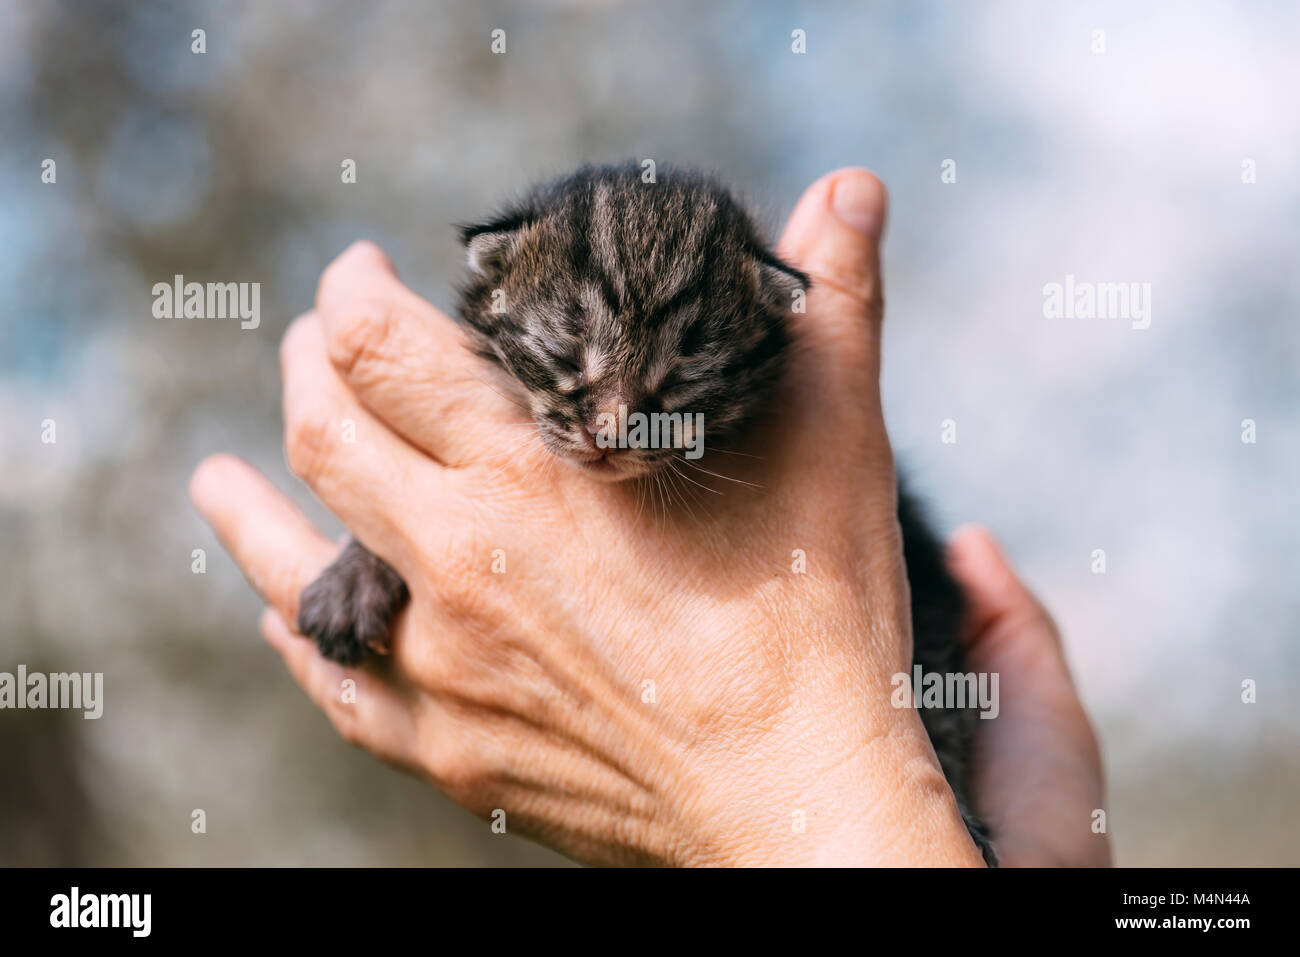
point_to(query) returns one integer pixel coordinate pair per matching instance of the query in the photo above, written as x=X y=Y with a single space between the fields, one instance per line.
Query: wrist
x=884 y=803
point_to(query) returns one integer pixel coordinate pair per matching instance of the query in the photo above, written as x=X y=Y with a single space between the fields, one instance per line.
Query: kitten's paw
x=350 y=608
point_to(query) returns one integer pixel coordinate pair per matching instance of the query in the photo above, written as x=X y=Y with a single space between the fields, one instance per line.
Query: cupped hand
x=1036 y=769
x=693 y=673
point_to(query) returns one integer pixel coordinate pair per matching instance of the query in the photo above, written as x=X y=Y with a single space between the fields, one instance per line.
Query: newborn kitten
x=599 y=290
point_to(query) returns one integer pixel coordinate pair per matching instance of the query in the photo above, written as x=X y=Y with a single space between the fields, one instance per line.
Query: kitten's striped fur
x=660 y=296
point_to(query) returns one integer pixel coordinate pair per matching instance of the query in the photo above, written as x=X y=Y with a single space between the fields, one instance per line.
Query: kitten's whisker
x=703 y=503
x=690 y=495
x=534 y=433
x=675 y=463
x=663 y=499
x=721 y=476
x=509 y=454
x=508 y=398
x=538 y=469
x=682 y=491
x=509 y=457
x=670 y=486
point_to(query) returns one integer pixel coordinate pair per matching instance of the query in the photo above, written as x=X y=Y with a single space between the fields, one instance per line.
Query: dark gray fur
x=663 y=296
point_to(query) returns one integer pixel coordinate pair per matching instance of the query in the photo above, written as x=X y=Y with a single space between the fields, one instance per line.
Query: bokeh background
x=1072 y=435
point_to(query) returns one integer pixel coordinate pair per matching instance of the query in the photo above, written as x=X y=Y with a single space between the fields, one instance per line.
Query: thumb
x=834 y=236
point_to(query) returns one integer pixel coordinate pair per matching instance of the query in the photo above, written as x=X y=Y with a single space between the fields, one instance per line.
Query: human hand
x=1036 y=768
x=530 y=690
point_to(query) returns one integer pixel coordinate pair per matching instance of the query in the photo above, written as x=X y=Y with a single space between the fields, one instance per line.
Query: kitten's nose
x=589 y=433
x=603 y=412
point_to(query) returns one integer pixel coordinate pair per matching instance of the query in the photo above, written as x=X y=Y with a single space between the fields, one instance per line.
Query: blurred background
x=1122 y=165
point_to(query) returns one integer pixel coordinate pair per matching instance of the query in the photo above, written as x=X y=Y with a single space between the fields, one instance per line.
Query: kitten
x=598 y=291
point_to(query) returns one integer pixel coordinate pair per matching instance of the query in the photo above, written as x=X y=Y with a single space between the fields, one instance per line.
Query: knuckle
x=428 y=665
x=360 y=334
x=454 y=766
x=463 y=597
x=459 y=578
x=346 y=725
x=346 y=716
x=286 y=585
x=307 y=445
x=851 y=288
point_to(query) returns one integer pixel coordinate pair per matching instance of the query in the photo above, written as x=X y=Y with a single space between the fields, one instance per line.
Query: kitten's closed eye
x=667 y=384
x=692 y=339
x=579 y=317
x=569 y=364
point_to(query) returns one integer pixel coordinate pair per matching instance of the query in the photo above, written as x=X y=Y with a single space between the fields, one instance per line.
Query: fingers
x=359 y=468
x=364 y=709
x=406 y=361
x=834 y=236
x=1037 y=770
x=278 y=550
x=280 y=553
x=1002 y=610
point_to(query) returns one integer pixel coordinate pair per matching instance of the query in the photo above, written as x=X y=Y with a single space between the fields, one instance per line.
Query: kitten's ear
x=490 y=245
x=778 y=283
x=488 y=250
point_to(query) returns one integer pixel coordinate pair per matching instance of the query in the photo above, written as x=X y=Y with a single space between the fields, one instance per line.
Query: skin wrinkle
x=756 y=710
x=526 y=623
x=558 y=748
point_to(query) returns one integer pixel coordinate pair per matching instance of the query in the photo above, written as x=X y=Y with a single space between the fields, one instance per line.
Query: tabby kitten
x=597 y=291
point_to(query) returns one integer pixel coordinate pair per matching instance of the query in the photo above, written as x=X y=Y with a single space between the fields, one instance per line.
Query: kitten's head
x=602 y=296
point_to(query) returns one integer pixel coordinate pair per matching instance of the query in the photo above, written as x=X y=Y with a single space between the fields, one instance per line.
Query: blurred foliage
x=225 y=166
